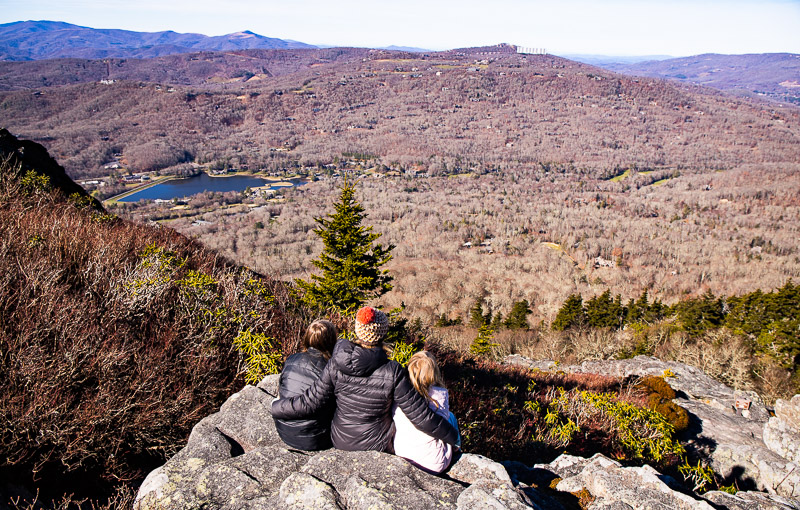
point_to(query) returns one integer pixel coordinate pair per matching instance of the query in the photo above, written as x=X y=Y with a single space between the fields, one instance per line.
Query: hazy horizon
x=612 y=28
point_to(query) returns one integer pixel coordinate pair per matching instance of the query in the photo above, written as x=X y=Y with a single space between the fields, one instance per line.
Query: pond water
x=180 y=188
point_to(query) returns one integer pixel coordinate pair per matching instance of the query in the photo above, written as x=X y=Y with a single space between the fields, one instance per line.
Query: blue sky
x=616 y=27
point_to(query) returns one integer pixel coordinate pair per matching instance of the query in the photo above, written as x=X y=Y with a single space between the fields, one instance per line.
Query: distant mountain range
x=410 y=49
x=37 y=40
x=600 y=60
x=772 y=75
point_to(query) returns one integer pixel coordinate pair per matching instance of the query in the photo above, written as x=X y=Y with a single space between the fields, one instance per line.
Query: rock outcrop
x=782 y=431
x=614 y=486
x=745 y=446
x=751 y=501
x=234 y=459
x=31 y=156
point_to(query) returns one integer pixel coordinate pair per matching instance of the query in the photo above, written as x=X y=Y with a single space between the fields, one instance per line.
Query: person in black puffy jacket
x=300 y=371
x=365 y=384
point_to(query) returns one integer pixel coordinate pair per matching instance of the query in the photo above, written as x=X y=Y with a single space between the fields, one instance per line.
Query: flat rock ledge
x=234 y=459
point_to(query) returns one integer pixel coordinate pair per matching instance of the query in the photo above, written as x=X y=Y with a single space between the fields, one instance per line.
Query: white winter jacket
x=417 y=446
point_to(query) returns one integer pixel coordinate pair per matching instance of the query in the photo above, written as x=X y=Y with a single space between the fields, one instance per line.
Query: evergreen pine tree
x=637 y=309
x=618 y=312
x=444 y=321
x=599 y=310
x=483 y=345
x=350 y=260
x=476 y=317
x=497 y=321
x=700 y=314
x=655 y=312
x=518 y=317
x=487 y=317
x=571 y=313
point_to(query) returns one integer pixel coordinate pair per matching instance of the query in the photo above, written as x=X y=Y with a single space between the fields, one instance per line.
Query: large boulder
x=748 y=500
x=469 y=468
x=233 y=457
x=614 y=486
x=757 y=468
x=304 y=492
x=364 y=479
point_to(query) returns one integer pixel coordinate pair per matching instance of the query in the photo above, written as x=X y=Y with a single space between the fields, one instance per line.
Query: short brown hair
x=320 y=335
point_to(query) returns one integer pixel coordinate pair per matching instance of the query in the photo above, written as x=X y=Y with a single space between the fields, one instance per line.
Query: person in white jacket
x=411 y=443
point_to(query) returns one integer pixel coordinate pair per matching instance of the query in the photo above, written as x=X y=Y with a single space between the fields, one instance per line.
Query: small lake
x=180 y=188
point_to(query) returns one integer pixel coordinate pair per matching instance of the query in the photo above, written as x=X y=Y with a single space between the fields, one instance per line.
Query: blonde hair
x=320 y=335
x=424 y=373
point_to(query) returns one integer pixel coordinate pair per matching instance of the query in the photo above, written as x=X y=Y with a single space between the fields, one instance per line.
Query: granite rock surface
x=234 y=459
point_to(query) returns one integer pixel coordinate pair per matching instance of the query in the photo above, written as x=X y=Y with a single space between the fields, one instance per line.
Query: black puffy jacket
x=365 y=384
x=300 y=371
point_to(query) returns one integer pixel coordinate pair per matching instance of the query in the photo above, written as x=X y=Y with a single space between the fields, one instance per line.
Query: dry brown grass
x=108 y=355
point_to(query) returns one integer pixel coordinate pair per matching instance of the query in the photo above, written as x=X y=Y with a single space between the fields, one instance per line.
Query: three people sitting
x=373 y=401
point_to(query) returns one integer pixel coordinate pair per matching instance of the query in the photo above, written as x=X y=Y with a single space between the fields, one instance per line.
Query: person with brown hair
x=300 y=371
x=365 y=385
x=421 y=449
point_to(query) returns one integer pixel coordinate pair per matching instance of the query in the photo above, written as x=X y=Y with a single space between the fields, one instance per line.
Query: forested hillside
x=479 y=109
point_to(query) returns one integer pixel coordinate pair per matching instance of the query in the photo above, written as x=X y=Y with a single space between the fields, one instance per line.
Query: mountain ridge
x=772 y=75
x=37 y=40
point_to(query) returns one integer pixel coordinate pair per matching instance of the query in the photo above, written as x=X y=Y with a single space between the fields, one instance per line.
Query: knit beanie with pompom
x=371 y=326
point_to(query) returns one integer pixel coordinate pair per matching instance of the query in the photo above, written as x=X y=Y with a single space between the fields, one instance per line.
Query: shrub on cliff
x=571 y=314
x=659 y=399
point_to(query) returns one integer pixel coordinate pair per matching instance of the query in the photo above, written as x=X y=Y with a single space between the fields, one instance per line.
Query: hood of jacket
x=352 y=359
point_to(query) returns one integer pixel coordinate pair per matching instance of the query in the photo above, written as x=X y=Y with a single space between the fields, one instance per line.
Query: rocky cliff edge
x=234 y=459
